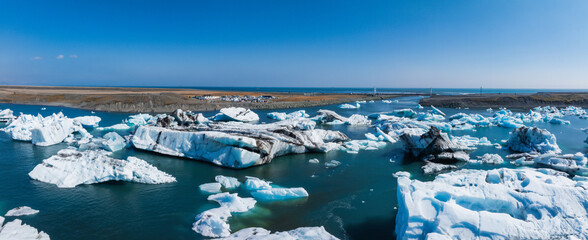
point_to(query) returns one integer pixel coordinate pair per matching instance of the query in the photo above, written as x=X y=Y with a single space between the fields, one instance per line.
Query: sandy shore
x=161 y=100
x=524 y=101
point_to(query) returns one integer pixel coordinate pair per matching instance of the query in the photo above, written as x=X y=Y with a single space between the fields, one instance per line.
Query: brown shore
x=161 y=100
x=523 y=101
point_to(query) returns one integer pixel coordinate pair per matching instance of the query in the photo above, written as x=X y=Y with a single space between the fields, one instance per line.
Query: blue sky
x=273 y=43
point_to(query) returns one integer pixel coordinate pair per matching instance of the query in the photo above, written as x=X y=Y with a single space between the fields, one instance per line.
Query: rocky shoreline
x=524 y=101
x=161 y=100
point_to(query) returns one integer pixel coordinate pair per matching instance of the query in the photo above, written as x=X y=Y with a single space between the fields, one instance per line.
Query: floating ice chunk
x=210 y=188
x=335 y=122
x=357 y=119
x=349 y=106
x=500 y=203
x=431 y=167
x=314 y=160
x=559 y=121
x=372 y=137
x=140 y=119
x=21 y=211
x=16 y=230
x=355 y=146
x=6 y=115
x=570 y=163
x=213 y=222
x=279 y=194
x=489 y=110
x=88 y=121
x=489 y=158
x=430 y=117
x=401 y=174
x=43 y=131
x=532 y=139
x=434 y=146
x=115 y=127
x=332 y=164
x=236 y=114
x=419 y=106
x=437 y=111
x=280 y=116
x=254 y=184
x=70 y=168
x=407 y=112
x=471 y=142
x=228 y=182
x=113 y=142
x=303 y=233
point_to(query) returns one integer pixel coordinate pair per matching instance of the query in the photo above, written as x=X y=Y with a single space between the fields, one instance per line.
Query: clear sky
x=297 y=43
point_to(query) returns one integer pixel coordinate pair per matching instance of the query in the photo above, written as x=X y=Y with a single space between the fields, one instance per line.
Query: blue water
x=356 y=200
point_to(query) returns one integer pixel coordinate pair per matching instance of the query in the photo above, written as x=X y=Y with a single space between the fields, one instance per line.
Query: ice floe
x=236 y=114
x=88 y=121
x=500 y=203
x=264 y=191
x=432 y=167
x=489 y=158
x=210 y=188
x=113 y=142
x=350 y=106
x=16 y=230
x=302 y=233
x=332 y=164
x=6 y=115
x=213 y=222
x=21 y=211
x=280 y=116
x=227 y=182
x=69 y=168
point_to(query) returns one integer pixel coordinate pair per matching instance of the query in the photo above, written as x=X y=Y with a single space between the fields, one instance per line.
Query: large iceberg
x=495 y=204
x=235 y=144
x=44 y=131
x=236 y=114
x=303 y=233
x=70 y=168
x=213 y=222
x=532 y=139
x=16 y=230
x=434 y=146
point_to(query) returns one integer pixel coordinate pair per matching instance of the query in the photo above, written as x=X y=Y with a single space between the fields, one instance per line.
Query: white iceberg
x=495 y=204
x=303 y=233
x=213 y=222
x=88 y=121
x=113 y=142
x=6 y=115
x=255 y=184
x=280 y=116
x=570 y=163
x=349 y=106
x=16 y=230
x=70 y=168
x=263 y=191
x=235 y=144
x=489 y=158
x=532 y=139
x=210 y=188
x=44 y=131
x=332 y=164
x=236 y=114
x=437 y=111
x=432 y=167
x=357 y=119
x=227 y=182
x=21 y=211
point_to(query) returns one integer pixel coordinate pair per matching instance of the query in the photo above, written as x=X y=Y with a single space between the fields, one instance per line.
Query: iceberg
x=43 y=131
x=227 y=182
x=332 y=164
x=113 y=142
x=69 y=168
x=130 y=123
x=236 y=114
x=471 y=142
x=263 y=191
x=354 y=146
x=532 y=139
x=489 y=158
x=16 y=230
x=314 y=161
x=357 y=119
x=6 y=115
x=280 y=116
x=303 y=233
x=494 y=204
x=434 y=146
x=570 y=163
x=210 y=188
x=88 y=121
x=437 y=111
x=213 y=222
x=235 y=144
x=432 y=167
x=21 y=211
x=349 y=106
